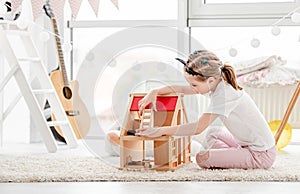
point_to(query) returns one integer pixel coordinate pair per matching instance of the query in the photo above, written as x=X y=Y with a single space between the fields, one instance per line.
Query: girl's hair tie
x=222 y=67
x=195 y=52
x=204 y=61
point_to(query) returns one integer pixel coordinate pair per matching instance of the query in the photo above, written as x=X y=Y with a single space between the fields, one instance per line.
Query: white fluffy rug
x=59 y=169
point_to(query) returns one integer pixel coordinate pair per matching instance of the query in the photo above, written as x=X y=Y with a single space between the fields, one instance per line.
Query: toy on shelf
x=169 y=152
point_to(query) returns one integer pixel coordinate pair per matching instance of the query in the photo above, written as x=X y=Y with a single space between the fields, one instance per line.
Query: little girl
x=250 y=143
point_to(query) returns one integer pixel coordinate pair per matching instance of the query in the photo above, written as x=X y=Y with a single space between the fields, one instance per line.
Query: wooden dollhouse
x=169 y=152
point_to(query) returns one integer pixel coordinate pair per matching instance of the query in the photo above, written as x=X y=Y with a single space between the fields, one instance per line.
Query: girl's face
x=200 y=87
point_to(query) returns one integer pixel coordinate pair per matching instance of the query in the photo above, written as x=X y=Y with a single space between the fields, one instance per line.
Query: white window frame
x=180 y=23
x=239 y=14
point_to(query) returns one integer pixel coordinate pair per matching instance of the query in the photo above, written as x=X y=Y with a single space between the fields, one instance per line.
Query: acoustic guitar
x=66 y=90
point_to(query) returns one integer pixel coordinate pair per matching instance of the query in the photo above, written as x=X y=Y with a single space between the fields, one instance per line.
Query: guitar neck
x=60 y=53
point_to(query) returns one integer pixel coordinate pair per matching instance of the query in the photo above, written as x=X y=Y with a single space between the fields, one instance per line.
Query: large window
x=221 y=39
x=245 y=1
x=130 y=10
x=240 y=13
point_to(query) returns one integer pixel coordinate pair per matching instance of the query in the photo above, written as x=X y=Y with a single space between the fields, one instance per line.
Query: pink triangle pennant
x=37 y=7
x=15 y=5
x=116 y=3
x=58 y=8
x=75 y=5
x=95 y=6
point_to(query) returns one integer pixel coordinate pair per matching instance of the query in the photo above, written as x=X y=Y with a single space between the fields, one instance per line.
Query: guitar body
x=76 y=111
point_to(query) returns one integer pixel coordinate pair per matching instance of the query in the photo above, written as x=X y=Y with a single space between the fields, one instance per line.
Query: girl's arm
x=181 y=130
x=174 y=89
x=151 y=96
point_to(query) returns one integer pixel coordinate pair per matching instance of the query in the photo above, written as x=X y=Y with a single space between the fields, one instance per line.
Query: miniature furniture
x=169 y=152
x=30 y=94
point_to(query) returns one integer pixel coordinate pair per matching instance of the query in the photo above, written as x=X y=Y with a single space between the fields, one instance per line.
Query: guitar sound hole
x=67 y=93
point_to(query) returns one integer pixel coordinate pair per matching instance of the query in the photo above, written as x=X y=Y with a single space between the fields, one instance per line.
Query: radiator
x=272 y=102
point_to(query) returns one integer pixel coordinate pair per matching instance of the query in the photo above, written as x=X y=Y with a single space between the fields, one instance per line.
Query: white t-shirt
x=241 y=117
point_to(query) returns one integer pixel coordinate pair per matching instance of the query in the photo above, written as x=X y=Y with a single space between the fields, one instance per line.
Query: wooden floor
x=152 y=187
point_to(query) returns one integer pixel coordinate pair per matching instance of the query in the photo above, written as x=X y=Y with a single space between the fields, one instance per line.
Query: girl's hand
x=149 y=98
x=150 y=132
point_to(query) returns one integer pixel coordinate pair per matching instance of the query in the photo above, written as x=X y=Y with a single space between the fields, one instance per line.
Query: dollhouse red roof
x=163 y=103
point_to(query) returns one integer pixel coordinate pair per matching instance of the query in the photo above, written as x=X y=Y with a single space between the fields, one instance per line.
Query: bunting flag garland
x=75 y=5
x=57 y=7
x=15 y=4
x=95 y=6
x=37 y=7
x=116 y=3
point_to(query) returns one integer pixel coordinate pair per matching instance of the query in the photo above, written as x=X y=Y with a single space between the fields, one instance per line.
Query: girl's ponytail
x=228 y=75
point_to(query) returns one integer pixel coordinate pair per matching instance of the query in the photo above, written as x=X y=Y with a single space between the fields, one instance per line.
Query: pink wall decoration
x=58 y=8
x=116 y=3
x=37 y=7
x=95 y=6
x=75 y=5
x=15 y=4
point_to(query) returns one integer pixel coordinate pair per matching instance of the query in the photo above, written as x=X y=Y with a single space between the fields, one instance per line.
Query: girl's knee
x=213 y=133
x=201 y=157
x=212 y=136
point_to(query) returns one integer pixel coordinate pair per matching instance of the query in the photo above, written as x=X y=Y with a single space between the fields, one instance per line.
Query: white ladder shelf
x=30 y=95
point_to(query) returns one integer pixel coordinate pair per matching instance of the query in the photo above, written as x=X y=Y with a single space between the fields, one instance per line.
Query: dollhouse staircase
x=45 y=90
x=147 y=119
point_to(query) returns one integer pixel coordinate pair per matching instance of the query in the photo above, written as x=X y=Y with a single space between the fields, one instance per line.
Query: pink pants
x=227 y=153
